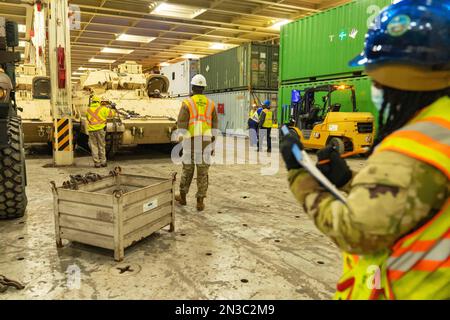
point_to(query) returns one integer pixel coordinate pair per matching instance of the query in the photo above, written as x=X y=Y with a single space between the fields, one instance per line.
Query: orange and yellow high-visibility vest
x=97 y=116
x=418 y=265
x=200 y=115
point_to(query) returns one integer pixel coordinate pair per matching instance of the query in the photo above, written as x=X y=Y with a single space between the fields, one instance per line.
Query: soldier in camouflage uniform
x=397 y=215
x=198 y=117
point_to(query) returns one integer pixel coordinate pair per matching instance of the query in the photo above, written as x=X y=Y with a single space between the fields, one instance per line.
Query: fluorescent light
x=176 y=10
x=77 y=73
x=87 y=69
x=164 y=64
x=94 y=60
x=22 y=28
x=134 y=38
x=277 y=25
x=218 y=46
x=116 y=50
x=22 y=43
x=192 y=56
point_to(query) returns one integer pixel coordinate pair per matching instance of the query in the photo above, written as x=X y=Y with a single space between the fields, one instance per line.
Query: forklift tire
x=13 y=199
x=337 y=144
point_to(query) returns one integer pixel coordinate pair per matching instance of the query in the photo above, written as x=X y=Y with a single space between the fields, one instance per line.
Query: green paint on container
x=320 y=46
x=254 y=66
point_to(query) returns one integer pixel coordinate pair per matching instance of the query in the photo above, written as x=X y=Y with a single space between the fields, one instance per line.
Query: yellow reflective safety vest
x=418 y=265
x=97 y=116
x=200 y=115
x=268 y=122
x=254 y=116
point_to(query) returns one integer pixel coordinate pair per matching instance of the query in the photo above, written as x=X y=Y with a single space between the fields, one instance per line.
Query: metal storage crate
x=114 y=211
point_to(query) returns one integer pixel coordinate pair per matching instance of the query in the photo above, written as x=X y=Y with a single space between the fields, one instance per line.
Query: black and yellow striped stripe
x=63 y=136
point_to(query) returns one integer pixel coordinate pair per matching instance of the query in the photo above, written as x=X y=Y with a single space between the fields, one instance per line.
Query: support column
x=60 y=77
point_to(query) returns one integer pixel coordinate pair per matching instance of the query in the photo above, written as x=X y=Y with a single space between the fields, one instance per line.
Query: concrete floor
x=252 y=242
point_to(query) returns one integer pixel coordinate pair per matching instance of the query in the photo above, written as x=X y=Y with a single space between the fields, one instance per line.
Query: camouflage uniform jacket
x=389 y=198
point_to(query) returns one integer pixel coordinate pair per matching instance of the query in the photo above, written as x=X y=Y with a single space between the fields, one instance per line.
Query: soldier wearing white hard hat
x=198 y=117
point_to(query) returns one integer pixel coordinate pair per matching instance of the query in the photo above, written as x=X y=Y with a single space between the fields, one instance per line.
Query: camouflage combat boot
x=181 y=199
x=200 y=204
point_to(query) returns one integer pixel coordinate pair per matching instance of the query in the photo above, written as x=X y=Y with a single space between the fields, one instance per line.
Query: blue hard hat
x=267 y=103
x=412 y=32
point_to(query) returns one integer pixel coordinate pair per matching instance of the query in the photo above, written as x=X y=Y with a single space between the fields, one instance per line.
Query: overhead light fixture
x=87 y=69
x=175 y=10
x=192 y=56
x=94 y=60
x=222 y=46
x=116 y=50
x=277 y=25
x=164 y=64
x=134 y=38
x=77 y=73
x=218 y=46
x=22 y=43
x=22 y=28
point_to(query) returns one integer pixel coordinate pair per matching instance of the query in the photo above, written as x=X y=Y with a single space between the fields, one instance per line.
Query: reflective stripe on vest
x=418 y=265
x=255 y=116
x=427 y=138
x=94 y=116
x=200 y=117
x=268 y=123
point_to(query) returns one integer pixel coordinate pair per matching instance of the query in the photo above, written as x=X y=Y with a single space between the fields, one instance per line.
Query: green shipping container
x=252 y=66
x=321 y=45
x=362 y=88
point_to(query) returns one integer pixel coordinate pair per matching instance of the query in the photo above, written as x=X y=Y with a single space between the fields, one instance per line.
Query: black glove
x=286 y=144
x=337 y=170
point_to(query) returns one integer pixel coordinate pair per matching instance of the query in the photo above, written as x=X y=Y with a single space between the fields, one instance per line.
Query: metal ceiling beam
x=283 y=5
x=196 y=22
x=180 y=41
x=232 y=37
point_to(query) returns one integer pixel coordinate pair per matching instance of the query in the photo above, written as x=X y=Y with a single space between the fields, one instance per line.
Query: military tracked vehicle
x=145 y=115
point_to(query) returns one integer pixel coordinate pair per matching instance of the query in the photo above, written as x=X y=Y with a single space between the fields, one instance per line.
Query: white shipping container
x=237 y=105
x=180 y=75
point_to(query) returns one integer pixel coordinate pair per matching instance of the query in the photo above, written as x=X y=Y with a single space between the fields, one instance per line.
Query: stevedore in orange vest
x=198 y=117
x=394 y=229
x=97 y=115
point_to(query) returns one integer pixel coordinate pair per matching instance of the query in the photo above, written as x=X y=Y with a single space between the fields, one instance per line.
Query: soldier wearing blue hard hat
x=394 y=227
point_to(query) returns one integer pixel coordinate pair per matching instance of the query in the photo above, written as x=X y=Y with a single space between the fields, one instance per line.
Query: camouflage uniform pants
x=97 y=143
x=188 y=174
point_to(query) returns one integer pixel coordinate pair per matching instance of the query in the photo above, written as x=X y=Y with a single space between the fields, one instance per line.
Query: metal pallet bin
x=115 y=211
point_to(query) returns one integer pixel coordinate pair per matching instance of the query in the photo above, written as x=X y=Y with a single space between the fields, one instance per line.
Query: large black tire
x=13 y=199
x=338 y=144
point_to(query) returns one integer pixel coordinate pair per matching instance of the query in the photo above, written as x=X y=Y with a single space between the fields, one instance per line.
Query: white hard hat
x=199 y=81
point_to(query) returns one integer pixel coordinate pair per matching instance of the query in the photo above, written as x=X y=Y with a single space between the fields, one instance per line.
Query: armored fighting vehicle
x=33 y=99
x=145 y=115
x=13 y=200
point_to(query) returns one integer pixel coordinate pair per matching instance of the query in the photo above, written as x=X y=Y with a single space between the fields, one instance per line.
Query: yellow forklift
x=319 y=125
